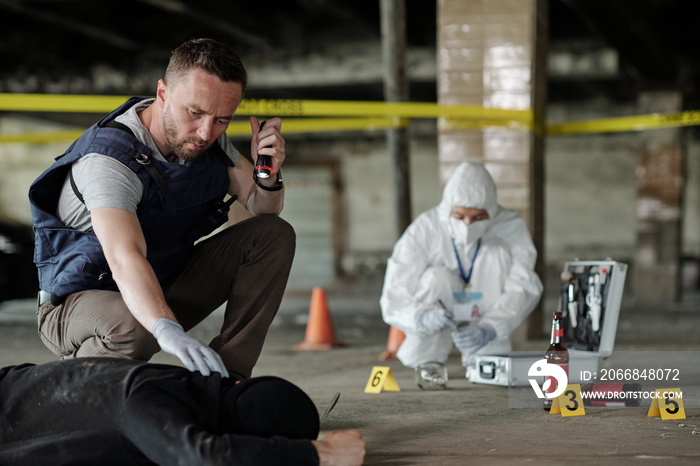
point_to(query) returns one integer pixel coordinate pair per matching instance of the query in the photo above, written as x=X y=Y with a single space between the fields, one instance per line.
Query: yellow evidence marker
x=569 y=403
x=667 y=406
x=381 y=377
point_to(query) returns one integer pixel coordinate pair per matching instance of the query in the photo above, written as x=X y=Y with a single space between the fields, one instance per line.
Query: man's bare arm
x=268 y=141
x=124 y=247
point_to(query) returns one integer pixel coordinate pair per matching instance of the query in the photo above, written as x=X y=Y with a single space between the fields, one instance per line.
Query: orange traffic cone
x=396 y=337
x=319 y=329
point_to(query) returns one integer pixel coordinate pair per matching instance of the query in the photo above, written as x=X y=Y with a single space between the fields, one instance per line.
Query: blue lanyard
x=466 y=278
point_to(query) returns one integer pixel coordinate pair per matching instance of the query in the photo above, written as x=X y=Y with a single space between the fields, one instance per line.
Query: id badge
x=467 y=306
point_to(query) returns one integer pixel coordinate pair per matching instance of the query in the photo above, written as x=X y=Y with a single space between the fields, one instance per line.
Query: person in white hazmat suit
x=462 y=273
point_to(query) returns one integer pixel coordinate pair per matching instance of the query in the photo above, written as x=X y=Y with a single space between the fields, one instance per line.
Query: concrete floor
x=465 y=424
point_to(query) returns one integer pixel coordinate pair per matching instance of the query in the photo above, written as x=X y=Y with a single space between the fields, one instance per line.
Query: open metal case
x=591 y=293
x=590 y=298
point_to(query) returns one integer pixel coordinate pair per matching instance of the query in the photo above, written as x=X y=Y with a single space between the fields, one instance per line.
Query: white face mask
x=464 y=234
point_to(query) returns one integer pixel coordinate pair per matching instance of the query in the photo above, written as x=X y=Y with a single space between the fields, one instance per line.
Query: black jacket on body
x=92 y=411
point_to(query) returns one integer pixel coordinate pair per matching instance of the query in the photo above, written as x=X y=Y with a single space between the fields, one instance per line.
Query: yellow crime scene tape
x=276 y=107
x=341 y=116
x=628 y=123
x=236 y=128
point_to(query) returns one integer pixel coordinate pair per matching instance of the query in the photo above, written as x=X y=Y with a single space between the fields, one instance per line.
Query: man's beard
x=179 y=145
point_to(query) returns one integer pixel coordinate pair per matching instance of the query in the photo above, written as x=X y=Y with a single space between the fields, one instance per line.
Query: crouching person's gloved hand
x=437 y=319
x=193 y=353
x=472 y=338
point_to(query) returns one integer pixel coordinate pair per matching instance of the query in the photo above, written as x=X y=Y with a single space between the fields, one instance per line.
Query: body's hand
x=473 y=337
x=346 y=448
x=193 y=353
x=437 y=319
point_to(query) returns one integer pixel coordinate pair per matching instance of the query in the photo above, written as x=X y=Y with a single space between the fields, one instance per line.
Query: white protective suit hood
x=469 y=186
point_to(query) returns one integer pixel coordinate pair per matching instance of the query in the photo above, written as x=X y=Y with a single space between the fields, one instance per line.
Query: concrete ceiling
x=323 y=48
x=656 y=42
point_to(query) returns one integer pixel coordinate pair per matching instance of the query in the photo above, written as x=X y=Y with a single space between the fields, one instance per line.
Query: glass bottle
x=556 y=354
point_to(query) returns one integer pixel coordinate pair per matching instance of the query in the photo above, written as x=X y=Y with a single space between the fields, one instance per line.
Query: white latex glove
x=437 y=319
x=473 y=337
x=193 y=353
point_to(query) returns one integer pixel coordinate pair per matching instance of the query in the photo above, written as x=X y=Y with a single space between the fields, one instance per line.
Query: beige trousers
x=245 y=266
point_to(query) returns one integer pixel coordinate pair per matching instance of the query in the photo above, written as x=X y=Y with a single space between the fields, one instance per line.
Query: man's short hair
x=208 y=55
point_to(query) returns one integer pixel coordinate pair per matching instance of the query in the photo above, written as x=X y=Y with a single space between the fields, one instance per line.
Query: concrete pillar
x=660 y=179
x=492 y=53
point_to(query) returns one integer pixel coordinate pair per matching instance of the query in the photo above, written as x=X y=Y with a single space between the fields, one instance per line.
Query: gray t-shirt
x=105 y=182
